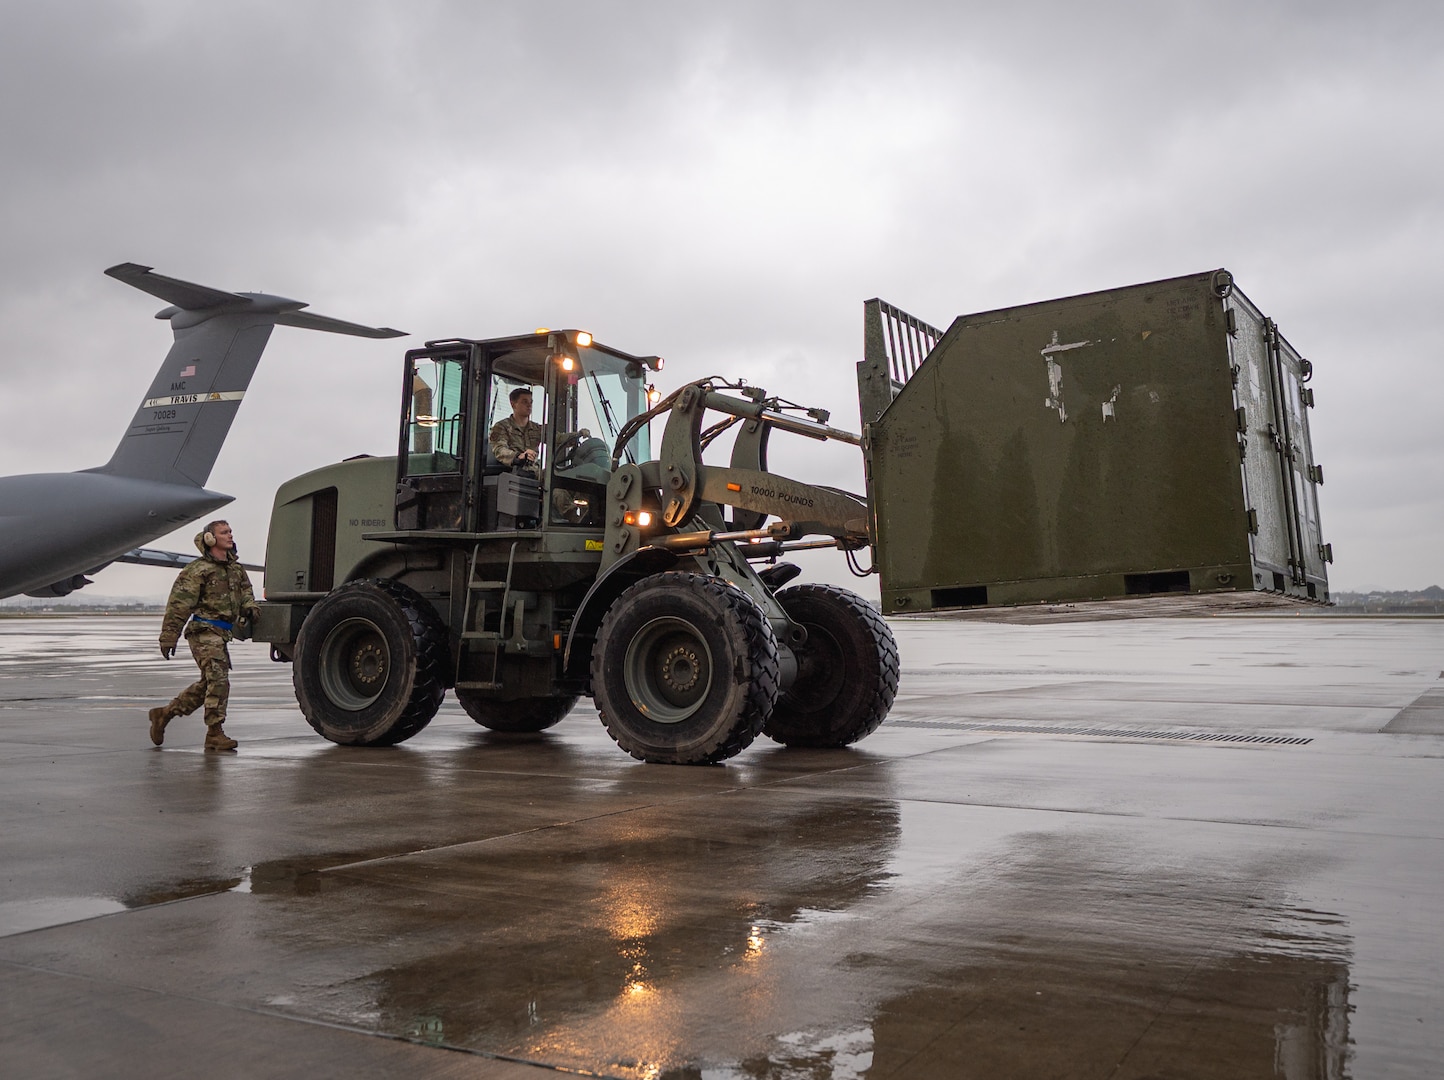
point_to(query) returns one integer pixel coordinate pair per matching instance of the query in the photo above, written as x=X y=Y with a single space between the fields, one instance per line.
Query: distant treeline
x=1428 y=601
x=29 y=605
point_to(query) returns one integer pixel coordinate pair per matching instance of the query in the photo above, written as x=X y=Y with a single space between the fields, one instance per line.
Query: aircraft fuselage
x=54 y=526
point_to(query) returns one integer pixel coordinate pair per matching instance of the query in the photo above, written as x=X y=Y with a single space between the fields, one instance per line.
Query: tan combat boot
x=160 y=716
x=216 y=739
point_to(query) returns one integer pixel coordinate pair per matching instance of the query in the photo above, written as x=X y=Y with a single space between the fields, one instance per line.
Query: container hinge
x=1230 y=321
x=1326 y=552
x=1253 y=521
x=1306 y=395
x=1242 y=414
x=1233 y=373
x=1243 y=447
x=1316 y=474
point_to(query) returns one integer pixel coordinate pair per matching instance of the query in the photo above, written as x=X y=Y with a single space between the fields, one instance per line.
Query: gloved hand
x=246 y=624
x=167 y=647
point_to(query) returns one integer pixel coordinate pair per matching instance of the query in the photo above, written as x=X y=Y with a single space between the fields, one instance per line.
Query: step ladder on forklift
x=473 y=630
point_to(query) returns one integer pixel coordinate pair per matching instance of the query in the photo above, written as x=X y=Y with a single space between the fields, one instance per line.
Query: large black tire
x=370 y=667
x=524 y=715
x=684 y=670
x=847 y=671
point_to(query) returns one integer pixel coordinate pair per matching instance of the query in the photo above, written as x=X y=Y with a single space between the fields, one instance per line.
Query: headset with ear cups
x=208 y=538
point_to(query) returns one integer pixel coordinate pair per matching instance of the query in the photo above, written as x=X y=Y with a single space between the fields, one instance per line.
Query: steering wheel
x=567 y=449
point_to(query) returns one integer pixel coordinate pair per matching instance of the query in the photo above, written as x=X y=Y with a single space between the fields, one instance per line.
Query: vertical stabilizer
x=177 y=433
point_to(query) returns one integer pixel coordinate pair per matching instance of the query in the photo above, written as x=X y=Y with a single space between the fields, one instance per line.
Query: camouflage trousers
x=213 y=688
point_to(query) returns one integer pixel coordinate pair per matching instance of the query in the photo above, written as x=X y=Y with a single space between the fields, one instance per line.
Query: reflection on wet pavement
x=935 y=903
x=21 y=916
x=649 y=965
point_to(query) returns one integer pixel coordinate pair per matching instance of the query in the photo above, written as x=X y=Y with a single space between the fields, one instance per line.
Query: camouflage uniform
x=508 y=438
x=207 y=591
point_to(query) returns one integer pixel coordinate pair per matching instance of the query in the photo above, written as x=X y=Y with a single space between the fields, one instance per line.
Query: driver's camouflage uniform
x=215 y=597
x=508 y=438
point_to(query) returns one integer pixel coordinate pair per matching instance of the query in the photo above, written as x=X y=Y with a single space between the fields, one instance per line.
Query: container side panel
x=1083 y=444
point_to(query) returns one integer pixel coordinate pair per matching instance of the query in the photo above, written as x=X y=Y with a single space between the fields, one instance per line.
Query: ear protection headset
x=208 y=538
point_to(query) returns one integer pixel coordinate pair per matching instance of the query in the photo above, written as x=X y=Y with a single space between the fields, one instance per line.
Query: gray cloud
x=720 y=185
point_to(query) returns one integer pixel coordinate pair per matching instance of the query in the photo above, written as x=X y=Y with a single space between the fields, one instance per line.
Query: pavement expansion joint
x=1107 y=733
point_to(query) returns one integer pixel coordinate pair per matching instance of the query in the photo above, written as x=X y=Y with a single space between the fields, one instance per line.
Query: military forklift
x=1145 y=448
x=653 y=583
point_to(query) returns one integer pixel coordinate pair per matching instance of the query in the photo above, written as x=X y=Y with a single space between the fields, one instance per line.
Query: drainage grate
x=1107 y=733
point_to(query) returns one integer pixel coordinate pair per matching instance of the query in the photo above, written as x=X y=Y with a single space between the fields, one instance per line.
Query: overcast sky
x=722 y=185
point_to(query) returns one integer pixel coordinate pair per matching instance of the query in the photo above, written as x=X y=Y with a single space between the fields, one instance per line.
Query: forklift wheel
x=370 y=664
x=524 y=715
x=847 y=672
x=684 y=670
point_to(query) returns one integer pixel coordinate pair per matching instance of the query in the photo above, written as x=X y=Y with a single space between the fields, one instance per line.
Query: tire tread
x=760 y=681
x=873 y=710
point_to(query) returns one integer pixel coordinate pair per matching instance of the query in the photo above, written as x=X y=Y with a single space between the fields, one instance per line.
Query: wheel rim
x=820 y=667
x=667 y=670
x=354 y=664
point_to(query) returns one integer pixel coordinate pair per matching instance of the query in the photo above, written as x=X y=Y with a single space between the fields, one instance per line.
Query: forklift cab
x=458 y=391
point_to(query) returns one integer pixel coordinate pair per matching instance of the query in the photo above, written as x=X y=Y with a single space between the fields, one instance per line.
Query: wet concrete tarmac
x=1164 y=848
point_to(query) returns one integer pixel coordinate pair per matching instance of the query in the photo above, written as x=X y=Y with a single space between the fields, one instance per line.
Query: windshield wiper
x=612 y=427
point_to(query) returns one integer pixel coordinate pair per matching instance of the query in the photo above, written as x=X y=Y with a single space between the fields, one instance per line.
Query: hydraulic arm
x=646 y=501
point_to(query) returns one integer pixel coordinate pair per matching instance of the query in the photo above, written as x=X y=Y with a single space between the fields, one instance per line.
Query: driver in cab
x=514 y=443
x=515 y=438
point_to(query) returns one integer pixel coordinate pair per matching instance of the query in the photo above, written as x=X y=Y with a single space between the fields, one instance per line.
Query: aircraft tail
x=182 y=422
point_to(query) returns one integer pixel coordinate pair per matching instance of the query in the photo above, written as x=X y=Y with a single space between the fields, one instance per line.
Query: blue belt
x=213 y=622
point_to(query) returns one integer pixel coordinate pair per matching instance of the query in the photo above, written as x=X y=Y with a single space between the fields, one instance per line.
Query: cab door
x=433 y=481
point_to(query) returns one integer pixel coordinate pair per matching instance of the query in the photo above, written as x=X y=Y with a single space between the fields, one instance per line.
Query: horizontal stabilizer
x=172 y=559
x=183 y=294
x=306 y=321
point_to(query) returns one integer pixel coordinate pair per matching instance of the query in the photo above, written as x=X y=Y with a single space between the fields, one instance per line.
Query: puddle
x=20 y=916
x=279 y=877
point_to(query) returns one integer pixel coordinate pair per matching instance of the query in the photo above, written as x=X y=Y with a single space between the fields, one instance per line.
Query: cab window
x=594 y=405
x=434 y=423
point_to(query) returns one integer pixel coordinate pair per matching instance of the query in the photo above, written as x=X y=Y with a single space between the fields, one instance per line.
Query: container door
x=1255 y=394
x=1296 y=460
x=1280 y=476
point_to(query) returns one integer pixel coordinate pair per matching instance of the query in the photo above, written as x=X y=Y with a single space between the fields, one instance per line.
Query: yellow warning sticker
x=594 y=545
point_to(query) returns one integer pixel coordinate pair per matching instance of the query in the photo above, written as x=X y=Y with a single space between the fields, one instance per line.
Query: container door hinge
x=1230 y=320
x=1241 y=414
x=1253 y=522
x=1316 y=474
x=1306 y=395
x=1326 y=552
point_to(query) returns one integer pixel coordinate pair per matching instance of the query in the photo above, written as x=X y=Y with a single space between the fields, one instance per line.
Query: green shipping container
x=1144 y=441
